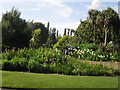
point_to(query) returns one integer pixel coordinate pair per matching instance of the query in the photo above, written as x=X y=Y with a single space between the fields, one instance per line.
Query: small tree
x=44 y=32
x=36 y=39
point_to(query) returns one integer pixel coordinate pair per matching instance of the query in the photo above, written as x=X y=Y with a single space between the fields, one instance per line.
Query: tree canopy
x=14 y=30
x=100 y=27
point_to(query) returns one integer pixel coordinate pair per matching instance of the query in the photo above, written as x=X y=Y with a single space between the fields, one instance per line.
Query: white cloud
x=30 y=9
x=56 y=6
x=2 y=11
x=55 y=0
x=94 y=4
x=65 y=11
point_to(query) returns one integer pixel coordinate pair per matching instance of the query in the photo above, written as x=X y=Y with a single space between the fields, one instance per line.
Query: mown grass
x=35 y=80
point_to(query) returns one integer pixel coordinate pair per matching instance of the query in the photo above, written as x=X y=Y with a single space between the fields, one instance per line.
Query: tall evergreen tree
x=57 y=34
x=65 y=32
x=52 y=37
x=68 y=31
x=92 y=18
x=48 y=26
x=14 y=32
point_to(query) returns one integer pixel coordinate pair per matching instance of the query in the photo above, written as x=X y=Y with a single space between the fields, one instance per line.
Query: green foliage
x=85 y=46
x=44 y=31
x=17 y=64
x=91 y=52
x=39 y=35
x=33 y=66
x=101 y=27
x=84 y=33
x=14 y=30
x=62 y=41
x=36 y=38
x=86 y=69
x=17 y=32
x=52 y=37
x=56 y=46
x=46 y=60
x=6 y=65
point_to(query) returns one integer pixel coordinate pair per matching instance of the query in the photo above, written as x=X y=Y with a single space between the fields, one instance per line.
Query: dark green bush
x=7 y=65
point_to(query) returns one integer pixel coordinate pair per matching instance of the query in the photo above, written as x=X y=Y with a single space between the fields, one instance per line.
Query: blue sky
x=61 y=14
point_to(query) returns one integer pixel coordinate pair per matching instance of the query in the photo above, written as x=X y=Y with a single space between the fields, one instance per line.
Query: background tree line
x=100 y=27
x=19 y=33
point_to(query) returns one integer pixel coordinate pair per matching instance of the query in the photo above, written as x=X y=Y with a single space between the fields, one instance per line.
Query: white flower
x=84 y=49
x=100 y=56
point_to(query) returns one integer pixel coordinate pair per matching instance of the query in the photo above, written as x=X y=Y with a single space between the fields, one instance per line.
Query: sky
x=60 y=13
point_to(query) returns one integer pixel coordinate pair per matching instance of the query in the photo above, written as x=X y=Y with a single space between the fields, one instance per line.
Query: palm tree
x=110 y=18
x=92 y=19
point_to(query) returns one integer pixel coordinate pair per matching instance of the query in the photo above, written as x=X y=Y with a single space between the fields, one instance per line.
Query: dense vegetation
x=30 y=46
x=92 y=52
x=19 y=33
x=47 y=60
x=100 y=28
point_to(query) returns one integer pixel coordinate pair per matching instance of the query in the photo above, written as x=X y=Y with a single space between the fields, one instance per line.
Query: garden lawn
x=36 y=80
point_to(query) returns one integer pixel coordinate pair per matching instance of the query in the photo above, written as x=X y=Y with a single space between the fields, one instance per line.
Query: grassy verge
x=35 y=80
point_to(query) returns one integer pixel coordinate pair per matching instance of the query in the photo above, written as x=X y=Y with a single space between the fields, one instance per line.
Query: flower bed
x=46 y=60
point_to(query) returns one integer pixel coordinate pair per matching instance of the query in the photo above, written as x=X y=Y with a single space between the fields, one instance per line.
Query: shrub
x=18 y=64
x=61 y=42
x=33 y=66
x=85 y=46
x=7 y=65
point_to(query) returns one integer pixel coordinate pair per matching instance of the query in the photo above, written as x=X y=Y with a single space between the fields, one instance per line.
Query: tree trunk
x=94 y=33
x=105 y=42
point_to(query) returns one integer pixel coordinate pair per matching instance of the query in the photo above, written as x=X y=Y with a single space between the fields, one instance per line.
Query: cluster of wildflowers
x=89 y=54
